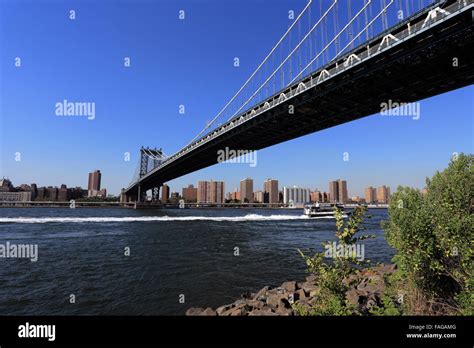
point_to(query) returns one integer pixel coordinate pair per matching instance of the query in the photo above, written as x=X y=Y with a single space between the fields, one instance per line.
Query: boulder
x=200 y=312
x=247 y=295
x=224 y=308
x=385 y=269
x=355 y=297
x=283 y=311
x=266 y=311
x=289 y=286
x=261 y=294
x=300 y=295
x=308 y=286
x=255 y=304
x=239 y=310
x=274 y=300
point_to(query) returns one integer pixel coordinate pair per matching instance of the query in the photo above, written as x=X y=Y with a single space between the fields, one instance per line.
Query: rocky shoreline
x=365 y=290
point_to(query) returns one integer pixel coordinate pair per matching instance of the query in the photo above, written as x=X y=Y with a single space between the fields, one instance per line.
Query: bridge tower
x=147 y=156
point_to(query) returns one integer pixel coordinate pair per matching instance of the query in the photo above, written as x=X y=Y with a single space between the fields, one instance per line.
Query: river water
x=175 y=252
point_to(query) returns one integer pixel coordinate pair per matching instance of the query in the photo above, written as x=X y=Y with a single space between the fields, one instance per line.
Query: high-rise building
x=41 y=194
x=383 y=194
x=94 y=180
x=338 y=191
x=93 y=187
x=342 y=193
x=316 y=196
x=216 y=192
x=34 y=191
x=246 y=190
x=6 y=186
x=165 y=193
x=52 y=193
x=270 y=191
x=174 y=197
x=325 y=197
x=190 y=193
x=370 y=195
x=63 y=193
x=333 y=191
x=235 y=196
x=210 y=192
x=258 y=196
x=201 y=192
x=296 y=194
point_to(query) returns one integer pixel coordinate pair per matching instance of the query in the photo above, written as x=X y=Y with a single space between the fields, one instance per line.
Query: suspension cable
x=286 y=59
x=335 y=37
x=254 y=73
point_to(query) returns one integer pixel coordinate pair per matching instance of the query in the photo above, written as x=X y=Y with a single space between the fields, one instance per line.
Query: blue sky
x=187 y=62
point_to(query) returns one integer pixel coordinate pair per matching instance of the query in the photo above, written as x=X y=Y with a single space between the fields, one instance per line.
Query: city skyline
x=207 y=191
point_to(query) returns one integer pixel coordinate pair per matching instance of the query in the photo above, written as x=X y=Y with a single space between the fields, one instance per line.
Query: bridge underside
x=416 y=69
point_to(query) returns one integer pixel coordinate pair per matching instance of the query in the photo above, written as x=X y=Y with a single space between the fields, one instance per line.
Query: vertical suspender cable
x=349 y=13
x=366 y=21
x=301 y=49
x=256 y=70
x=310 y=38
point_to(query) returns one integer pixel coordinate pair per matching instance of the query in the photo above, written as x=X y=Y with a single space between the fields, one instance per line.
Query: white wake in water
x=249 y=217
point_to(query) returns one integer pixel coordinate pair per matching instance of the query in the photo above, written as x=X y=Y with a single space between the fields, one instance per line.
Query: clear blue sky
x=186 y=62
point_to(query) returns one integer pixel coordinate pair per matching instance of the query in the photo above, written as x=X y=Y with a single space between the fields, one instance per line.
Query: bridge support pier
x=125 y=198
x=141 y=196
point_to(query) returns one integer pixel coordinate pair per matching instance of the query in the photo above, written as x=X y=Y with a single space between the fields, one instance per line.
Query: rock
x=255 y=304
x=299 y=285
x=200 y=312
x=261 y=294
x=289 y=286
x=373 y=283
x=247 y=295
x=351 y=279
x=239 y=310
x=385 y=269
x=194 y=311
x=263 y=312
x=274 y=300
x=300 y=295
x=209 y=312
x=284 y=311
x=308 y=286
x=222 y=309
x=355 y=297
x=304 y=302
x=365 y=289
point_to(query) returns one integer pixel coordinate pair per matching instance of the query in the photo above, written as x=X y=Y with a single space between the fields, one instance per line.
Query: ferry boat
x=323 y=210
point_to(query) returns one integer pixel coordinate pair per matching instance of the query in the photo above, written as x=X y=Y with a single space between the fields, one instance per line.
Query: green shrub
x=331 y=298
x=433 y=236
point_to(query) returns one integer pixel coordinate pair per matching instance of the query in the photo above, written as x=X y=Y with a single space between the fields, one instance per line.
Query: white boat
x=323 y=210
